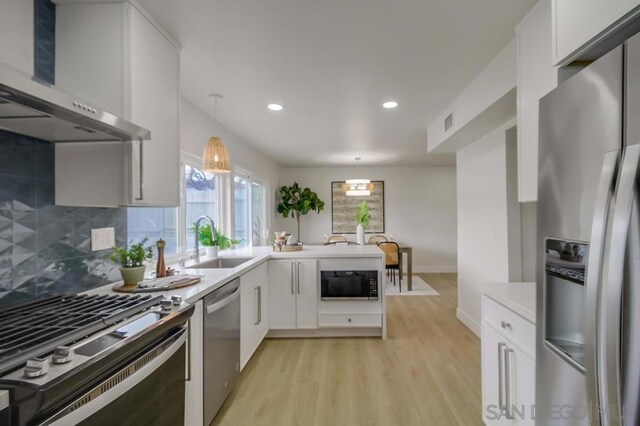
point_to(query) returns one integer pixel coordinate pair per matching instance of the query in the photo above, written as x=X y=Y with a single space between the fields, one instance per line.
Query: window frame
x=251 y=178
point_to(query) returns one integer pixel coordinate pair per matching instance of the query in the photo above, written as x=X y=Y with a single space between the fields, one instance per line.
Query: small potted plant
x=363 y=217
x=131 y=259
x=212 y=243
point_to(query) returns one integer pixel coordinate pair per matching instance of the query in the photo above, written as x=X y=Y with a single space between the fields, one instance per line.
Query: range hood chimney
x=33 y=108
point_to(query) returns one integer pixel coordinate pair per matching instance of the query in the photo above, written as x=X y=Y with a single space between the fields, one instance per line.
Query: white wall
x=16 y=34
x=492 y=84
x=196 y=127
x=483 y=234
x=420 y=208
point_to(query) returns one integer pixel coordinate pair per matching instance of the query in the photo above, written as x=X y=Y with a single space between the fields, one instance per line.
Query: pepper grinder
x=161 y=266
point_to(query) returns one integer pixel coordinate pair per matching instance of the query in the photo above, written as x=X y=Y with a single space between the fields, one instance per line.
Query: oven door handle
x=115 y=386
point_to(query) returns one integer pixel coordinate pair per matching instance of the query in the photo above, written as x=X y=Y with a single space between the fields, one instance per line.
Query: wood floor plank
x=426 y=373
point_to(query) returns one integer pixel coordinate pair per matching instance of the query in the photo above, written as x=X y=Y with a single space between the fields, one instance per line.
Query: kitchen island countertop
x=215 y=278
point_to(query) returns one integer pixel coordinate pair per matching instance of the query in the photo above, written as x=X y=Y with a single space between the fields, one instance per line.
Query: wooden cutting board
x=180 y=283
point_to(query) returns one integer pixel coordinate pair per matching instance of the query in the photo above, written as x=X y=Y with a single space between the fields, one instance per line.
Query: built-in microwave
x=349 y=285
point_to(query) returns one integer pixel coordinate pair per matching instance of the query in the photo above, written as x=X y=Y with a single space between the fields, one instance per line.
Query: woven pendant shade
x=215 y=158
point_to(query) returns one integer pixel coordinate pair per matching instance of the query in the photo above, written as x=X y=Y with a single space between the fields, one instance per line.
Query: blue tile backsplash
x=45 y=249
x=45 y=40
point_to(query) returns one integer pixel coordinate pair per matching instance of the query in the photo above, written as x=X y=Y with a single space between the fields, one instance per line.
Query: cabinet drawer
x=350 y=320
x=510 y=324
x=259 y=274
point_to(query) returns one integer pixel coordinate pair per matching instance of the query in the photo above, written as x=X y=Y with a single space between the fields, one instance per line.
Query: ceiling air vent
x=448 y=122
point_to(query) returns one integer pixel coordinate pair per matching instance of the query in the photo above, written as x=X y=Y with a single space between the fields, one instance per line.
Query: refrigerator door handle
x=594 y=272
x=609 y=345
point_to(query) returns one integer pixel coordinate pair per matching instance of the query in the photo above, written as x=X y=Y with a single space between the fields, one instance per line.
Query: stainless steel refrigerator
x=588 y=263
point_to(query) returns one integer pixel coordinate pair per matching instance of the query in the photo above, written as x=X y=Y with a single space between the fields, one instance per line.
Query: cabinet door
x=580 y=24
x=282 y=298
x=307 y=293
x=536 y=77
x=16 y=43
x=193 y=386
x=493 y=376
x=522 y=377
x=154 y=85
x=247 y=325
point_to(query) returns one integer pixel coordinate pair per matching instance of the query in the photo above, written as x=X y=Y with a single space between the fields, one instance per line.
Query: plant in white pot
x=131 y=259
x=213 y=243
x=363 y=217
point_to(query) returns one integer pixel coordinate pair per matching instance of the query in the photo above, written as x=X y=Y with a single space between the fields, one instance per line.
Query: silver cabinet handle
x=594 y=274
x=258 y=306
x=614 y=281
x=505 y=324
x=298 y=276
x=501 y=347
x=507 y=383
x=293 y=265
x=140 y=180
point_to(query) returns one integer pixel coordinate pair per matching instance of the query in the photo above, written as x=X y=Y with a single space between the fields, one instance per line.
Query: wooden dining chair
x=392 y=260
x=377 y=238
x=345 y=243
x=336 y=238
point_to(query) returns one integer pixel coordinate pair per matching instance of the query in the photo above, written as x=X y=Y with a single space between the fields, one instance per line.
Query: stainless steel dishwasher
x=221 y=346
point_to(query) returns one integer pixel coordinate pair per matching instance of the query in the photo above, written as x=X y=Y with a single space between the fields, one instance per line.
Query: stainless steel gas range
x=95 y=360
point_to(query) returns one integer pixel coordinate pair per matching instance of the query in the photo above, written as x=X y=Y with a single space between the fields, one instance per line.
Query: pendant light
x=357 y=187
x=215 y=158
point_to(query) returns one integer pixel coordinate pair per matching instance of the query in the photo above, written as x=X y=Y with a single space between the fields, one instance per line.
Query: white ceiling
x=332 y=63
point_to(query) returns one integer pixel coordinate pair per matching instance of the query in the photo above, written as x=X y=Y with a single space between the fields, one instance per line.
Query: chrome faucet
x=196 y=253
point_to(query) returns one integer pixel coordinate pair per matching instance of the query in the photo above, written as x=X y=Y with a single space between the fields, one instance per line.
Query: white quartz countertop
x=215 y=278
x=519 y=297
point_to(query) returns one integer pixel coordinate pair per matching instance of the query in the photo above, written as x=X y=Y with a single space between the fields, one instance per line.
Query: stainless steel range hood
x=36 y=109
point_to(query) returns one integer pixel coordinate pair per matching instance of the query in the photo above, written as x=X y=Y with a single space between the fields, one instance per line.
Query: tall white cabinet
x=114 y=55
x=537 y=76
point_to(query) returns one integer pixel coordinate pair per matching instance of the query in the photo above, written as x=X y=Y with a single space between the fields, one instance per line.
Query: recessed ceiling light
x=275 y=107
x=389 y=104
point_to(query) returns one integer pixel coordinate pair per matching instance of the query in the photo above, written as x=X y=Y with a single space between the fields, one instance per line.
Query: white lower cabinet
x=293 y=294
x=508 y=375
x=254 y=311
x=193 y=410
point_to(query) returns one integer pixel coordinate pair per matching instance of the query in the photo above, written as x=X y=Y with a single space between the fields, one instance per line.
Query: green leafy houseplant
x=363 y=214
x=132 y=256
x=131 y=259
x=219 y=240
x=296 y=201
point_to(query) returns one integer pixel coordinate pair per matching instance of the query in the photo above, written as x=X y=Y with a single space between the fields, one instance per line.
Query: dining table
x=405 y=251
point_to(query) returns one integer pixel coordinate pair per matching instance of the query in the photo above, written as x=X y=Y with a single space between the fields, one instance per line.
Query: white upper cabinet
x=536 y=77
x=113 y=55
x=580 y=25
x=16 y=29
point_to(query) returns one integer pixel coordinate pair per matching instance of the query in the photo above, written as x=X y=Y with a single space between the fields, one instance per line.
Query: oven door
x=149 y=390
x=348 y=285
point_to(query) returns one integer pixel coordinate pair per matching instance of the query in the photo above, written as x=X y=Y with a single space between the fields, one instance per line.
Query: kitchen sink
x=221 y=263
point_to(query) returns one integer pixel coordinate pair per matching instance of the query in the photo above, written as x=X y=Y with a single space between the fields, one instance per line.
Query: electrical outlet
x=102 y=238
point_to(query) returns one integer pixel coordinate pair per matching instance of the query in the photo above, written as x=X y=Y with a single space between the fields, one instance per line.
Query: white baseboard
x=433 y=269
x=468 y=321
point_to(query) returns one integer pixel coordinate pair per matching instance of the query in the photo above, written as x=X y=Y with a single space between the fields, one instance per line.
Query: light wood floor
x=426 y=373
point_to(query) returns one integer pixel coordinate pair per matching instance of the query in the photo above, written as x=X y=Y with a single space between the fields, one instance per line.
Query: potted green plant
x=213 y=242
x=296 y=201
x=363 y=217
x=131 y=259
